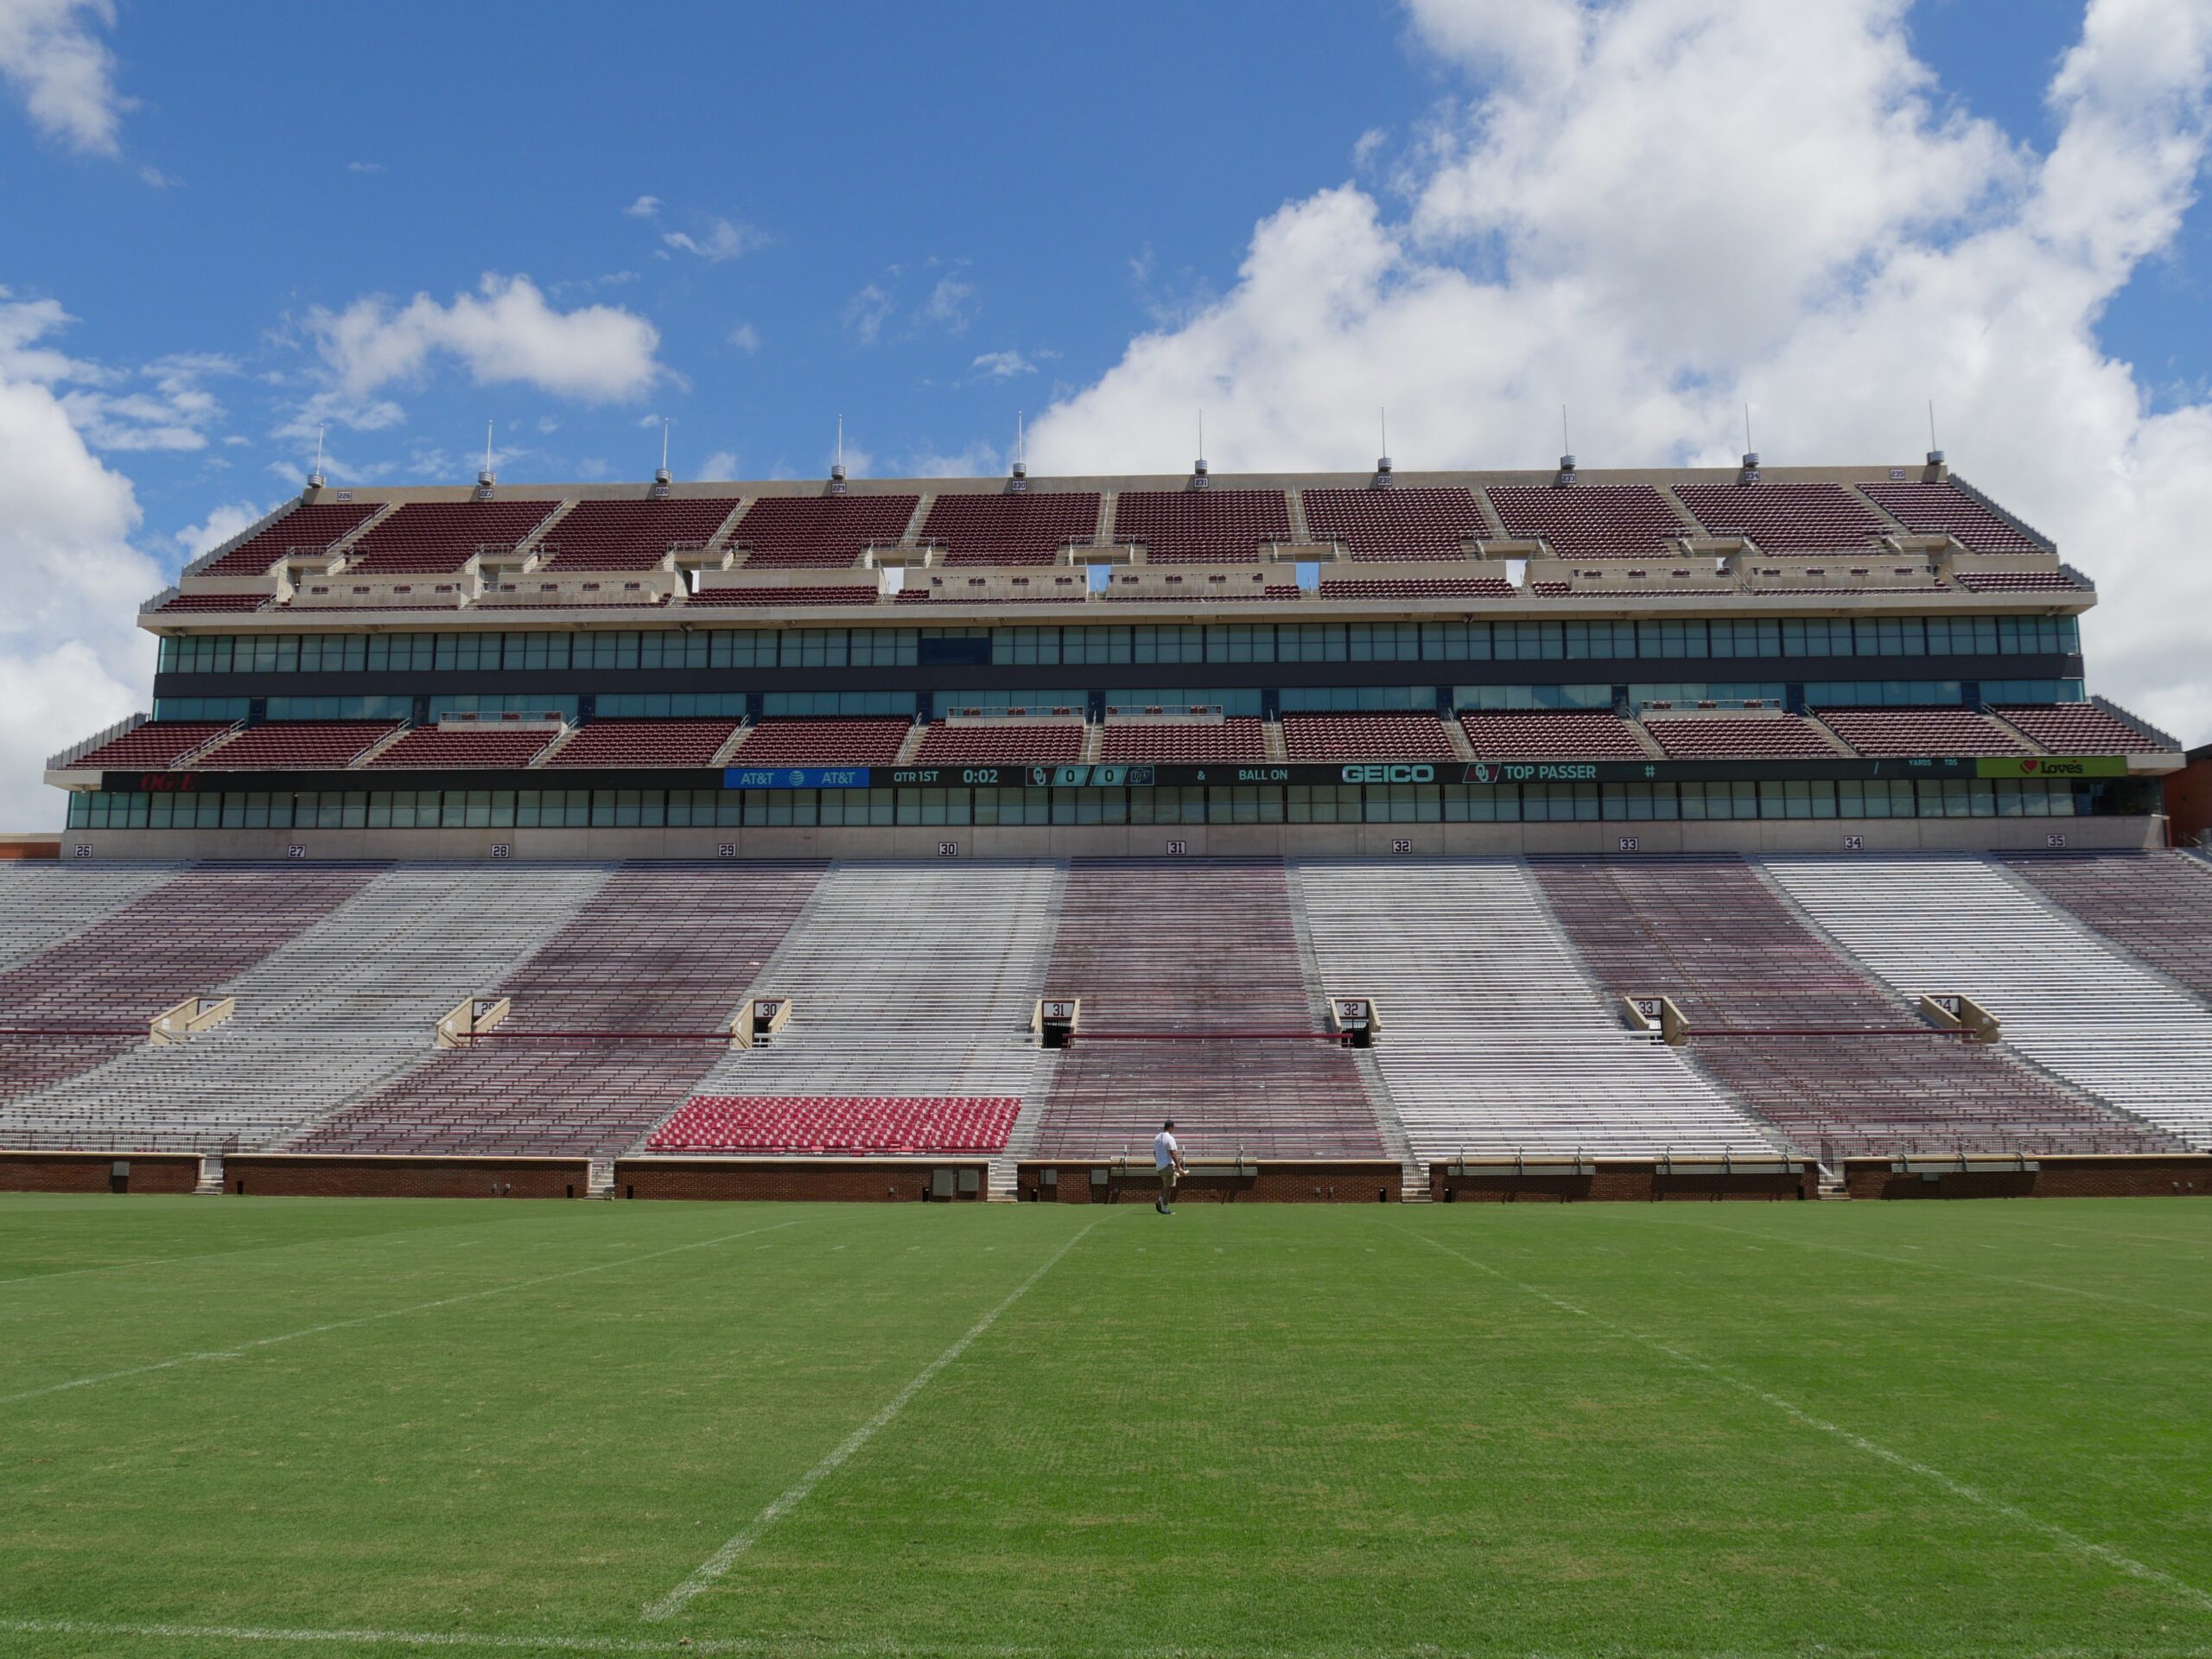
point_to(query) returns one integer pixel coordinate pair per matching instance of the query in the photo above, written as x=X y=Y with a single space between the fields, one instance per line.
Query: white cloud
x=161 y=406
x=724 y=238
x=867 y=312
x=506 y=332
x=222 y=522
x=720 y=465
x=951 y=306
x=63 y=70
x=644 y=208
x=1002 y=366
x=1657 y=210
x=745 y=337
x=364 y=167
x=71 y=660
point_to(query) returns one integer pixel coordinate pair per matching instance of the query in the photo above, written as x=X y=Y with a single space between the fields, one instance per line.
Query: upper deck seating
x=1001 y=743
x=1195 y=1007
x=88 y=998
x=687 y=742
x=633 y=535
x=301 y=529
x=615 y=1020
x=2065 y=999
x=2158 y=906
x=158 y=743
x=1590 y=521
x=1759 y=736
x=1402 y=523
x=1239 y=738
x=435 y=537
x=829 y=740
x=797 y=532
x=1784 y=517
x=1201 y=526
x=1418 y=587
x=2017 y=581
x=1919 y=731
x=2078 y=728
x=1840 y=1065
x=839 y=1124
x=1543 y=734
x=841 y=593
x=297 y=746
x=488 y=747
x=1030 y=528
x=1494 y=1040
x=216 y=601
x=1366 y=737
x=1935 y=509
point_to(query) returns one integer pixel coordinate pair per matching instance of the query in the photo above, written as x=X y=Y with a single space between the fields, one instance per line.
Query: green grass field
x=270 y=1426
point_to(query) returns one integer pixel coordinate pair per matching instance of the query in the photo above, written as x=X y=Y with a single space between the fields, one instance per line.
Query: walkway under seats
x=346 y=1005
x=615 y=1019
x=1838 y=1062
x=1196 y=1006
x=2064 y=997
x=2155 y=906
x=1494 y=1038
x=907 y=981
x=89 y=997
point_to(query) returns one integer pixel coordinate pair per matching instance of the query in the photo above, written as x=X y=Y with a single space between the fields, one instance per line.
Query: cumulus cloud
x=1655 y=210
x=722 y=239
x=722 y=464
x=745 y=337
x=162 y=405
x=223 y=522
x=53 y=60
x=504 y=333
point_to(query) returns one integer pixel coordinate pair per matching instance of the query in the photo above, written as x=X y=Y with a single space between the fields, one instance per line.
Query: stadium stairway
x=907 y=980
x=348 y=1003
x=1493 y=1037
x=2066 y=999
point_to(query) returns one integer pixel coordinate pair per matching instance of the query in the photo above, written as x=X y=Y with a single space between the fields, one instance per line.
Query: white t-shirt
x=1164 y=1150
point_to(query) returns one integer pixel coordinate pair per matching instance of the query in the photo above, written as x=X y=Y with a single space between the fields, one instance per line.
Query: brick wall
x=93 y=1171
x=1616 y=1181
x=1348 y=1181
x=846 y=1181
x=2179 y=1175
x=296 y=1175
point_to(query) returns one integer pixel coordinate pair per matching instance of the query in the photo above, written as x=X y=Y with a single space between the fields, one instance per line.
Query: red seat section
x=301 y=529
x=614 y=1023
x=826 y=741
x=1194 y=967
x=1590 y=521
x=633 y=535
x=2157 y=904
x=801 y=532
x=1543 y=734
x=158 y=743
x=1236 y=739
x=1945 y=509
x=2017 y=582
x=839 y=1123
x=1365 y=737
x=1919 y=731
x=491 y=747
x=1789 y=1022
x=1784 y=517
x=297 y=745
x=842 y=594
x=89 y=998
x=1403 y=522
x=217 y=603
x=1201 y=526
x=1001 y=743
x=1026 y=529
x=1418 y=587
x=1763 y=737
x=2079 y=729
x=645 y=743
x=433 y=536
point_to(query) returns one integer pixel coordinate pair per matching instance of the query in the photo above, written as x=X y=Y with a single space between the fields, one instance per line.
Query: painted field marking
x=723 y=1558
x=245 y=1348
x=1797 y=1413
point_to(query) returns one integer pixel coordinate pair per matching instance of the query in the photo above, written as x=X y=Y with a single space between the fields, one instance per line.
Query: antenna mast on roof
x=485 y=479
x=1199 y=467
x=1750 y=472
x=838 y=466
x=315 y=479
x=1935 y=454
x=1383 y=460
x=661 y=478
x=1021 y=451
x=1566 y=449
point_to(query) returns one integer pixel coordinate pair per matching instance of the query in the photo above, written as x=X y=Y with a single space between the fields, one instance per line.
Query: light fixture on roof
x=485 y=479
x=659 y=490
x=1020 y=455
x=838 y=466
x=315 y=479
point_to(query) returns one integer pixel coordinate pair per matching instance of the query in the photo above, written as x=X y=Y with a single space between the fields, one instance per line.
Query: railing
x=61 y=762
x=2166 y=740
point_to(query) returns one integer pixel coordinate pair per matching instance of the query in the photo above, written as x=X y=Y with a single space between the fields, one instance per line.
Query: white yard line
x=723 y=1558
x=2104 y=1553
x=245 y=1348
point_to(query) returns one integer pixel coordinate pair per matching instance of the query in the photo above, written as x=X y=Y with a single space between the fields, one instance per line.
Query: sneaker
x=1161 y=1205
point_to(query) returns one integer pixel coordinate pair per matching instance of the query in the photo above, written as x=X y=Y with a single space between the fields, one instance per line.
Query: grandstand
x=614 y=824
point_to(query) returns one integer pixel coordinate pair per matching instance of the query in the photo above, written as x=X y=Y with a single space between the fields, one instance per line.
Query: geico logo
x=1389 y=774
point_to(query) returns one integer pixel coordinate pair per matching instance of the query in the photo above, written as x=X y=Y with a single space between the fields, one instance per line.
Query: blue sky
x=216 y=221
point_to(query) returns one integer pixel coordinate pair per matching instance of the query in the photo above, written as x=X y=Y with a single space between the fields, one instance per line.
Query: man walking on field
x=1167 y=1159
